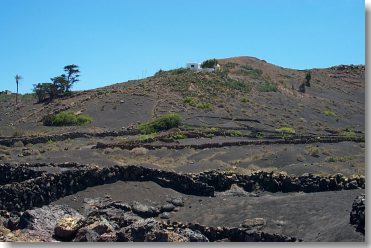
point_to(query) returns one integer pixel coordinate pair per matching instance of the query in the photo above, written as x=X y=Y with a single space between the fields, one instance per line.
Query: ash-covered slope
x=245 y=88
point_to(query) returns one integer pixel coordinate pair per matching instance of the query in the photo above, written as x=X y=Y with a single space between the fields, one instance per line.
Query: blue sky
x=118 y=40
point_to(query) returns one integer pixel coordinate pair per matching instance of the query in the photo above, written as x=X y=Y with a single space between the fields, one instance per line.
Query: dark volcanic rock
x=167 y=207
x=165 y=215
x=43 y=220
x=178 y=202
x=357 y=215
x=144 y=210
x=114 y=221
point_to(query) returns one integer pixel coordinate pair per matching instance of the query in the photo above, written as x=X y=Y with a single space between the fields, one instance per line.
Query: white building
x=197 y=67
x=194 y=66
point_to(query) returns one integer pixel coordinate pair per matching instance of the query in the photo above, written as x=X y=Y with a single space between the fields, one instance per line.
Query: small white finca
x=194 y=66
x=207 y=66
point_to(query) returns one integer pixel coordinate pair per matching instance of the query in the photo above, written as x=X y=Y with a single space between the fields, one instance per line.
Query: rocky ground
x=228 y=173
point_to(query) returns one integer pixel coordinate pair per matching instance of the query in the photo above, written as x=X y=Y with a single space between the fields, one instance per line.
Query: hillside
x=249 y=158
x=334 y=101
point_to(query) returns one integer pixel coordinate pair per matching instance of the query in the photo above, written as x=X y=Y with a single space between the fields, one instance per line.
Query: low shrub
x=162 y=123
x=179 y=71
x=238 y=85
x=251 y=72
x=349 y=133
x=235 y=133
x=190 y=100
x=214 y=129
x=288 y=130
x=67 y=118
x=339 y=159
x=245 y=100
x=313 y=151
x=148 y=137
x=267 y=87
x=204 y=105
x=329 y=113
x=178 y=136
x=259 y=135
x=196 y=103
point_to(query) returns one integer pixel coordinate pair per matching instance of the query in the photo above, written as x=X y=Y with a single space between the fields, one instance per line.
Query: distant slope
x=335 y=101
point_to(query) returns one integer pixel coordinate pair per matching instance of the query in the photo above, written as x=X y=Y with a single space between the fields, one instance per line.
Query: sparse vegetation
x=259 y=135
x=214 y=129
x=196 y=103
x=267 y=87
x=251 y=72
x=178 y=71
x=238 y=85
x=67 y=118
x=244 y=100
x=178 y=136
x=148 y=137
x=349 y=133
x=162 y=123
x=332 y=159
x=235 y=133
x=287 y=130
x=329 y=113
x=312 y=151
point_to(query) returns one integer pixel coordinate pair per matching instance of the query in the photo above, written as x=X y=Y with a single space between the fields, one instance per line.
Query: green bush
x=339 y=159
x=268 y=87
x=312 y=151
x=191 y=101
x=196 y=103
x=148 y=137
x=349 y=133
x=67 y=118
x=259 y=135
x=237 y=85
x=329 y=113
x=251 y=72
x=245 y=100
x=204 y=105
x=214 y=129
x=162 y=123
x=178 y=136
x=210 y=63
x=288 y=130
x=330 y=159
x=235 y=133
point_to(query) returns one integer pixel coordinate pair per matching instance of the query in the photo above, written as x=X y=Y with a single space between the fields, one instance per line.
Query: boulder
x=193 y=235
x=144 y=210
x=86 y=235
x=178 y=202
x=67 y=227
x=167 y=207
x=101 y=226
x=165 y=215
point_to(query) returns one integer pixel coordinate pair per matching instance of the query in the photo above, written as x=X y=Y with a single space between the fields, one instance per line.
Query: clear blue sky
x=117 y=40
